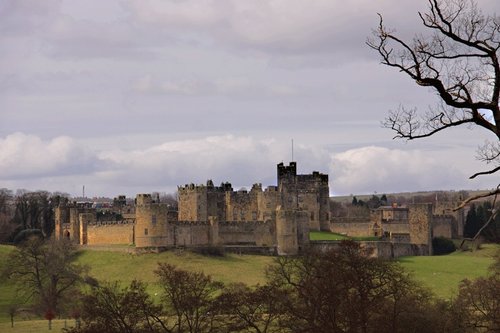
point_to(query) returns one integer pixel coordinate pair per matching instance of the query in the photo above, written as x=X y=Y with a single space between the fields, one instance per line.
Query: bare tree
x=344 y=290
x=477 y=307
x=112 y=309
x=44 y=272
x=256 y=310
x=460 y=61
x=189 y=297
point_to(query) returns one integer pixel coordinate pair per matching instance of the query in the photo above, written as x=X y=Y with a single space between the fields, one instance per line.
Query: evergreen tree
x=471 y=223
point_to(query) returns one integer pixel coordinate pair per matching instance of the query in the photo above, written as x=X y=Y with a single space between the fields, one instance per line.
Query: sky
x=136 y=96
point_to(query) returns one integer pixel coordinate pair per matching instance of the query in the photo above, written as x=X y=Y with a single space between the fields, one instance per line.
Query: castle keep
x=277 y=218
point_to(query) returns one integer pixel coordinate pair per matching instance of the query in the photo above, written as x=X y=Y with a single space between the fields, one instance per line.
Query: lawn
x=36 y=326
x=326 y=236
x=110 y=266
x=442 y=274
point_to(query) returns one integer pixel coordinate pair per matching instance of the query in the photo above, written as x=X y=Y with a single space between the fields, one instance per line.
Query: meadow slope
x=442 y=274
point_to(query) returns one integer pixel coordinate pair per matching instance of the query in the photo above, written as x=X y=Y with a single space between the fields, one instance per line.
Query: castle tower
x=74 y=224
x=61 y=216
x=308 y=192
x=151 y=223
x=291 y=231
x=420 y=224
x=85 y=219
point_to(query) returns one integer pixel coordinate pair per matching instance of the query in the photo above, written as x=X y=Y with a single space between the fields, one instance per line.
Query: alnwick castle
x=274 y=220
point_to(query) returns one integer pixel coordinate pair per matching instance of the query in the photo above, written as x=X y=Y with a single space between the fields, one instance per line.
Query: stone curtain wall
x=442 y=226
x=386 y=250
x=247 y=233
x=353 y=229
x=109 y=234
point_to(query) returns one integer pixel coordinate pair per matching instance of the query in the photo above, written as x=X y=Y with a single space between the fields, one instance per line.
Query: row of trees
x=27 y=211
x=343 y=290
x=478 y=216
x=338 y=291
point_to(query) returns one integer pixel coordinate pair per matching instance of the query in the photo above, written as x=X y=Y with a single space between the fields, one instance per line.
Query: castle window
x=254 y=216
x=153 y=219
x=312 y=216
x=146 y=231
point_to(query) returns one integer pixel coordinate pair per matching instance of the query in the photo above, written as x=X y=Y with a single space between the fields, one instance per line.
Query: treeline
x=477 y=216
x=32 y=212
x=343 y=290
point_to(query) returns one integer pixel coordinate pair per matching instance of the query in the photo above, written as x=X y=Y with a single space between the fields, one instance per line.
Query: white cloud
x=370 y=169
x=243 y=160
x=28 y=156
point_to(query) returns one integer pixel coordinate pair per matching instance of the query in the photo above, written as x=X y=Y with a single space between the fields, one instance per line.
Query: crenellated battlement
x=243 y=223
x=190 y=223
x=201 y=188
x=104 y=223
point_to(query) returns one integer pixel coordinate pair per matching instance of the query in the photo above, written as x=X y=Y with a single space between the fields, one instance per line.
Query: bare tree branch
x=459 y=60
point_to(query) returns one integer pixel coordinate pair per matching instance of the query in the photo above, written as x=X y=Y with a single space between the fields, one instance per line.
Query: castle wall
x=247 y=233
x=267 y=203
x=191 y=234
x=216 y=206
x=399 y=228
x=386 y=250
x=442 y=226
x=242 y=206
x=112 y=233
x=353 y=229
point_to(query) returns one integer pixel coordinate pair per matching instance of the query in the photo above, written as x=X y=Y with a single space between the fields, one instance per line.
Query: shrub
x=441 y=245
x=27 y=234
x=212 y=251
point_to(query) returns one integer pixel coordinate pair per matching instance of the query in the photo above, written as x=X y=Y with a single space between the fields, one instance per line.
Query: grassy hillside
x=106 y=265
x=441 y=273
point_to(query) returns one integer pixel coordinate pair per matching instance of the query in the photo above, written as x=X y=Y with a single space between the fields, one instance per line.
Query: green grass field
x=326 y=236
x=441 y=274
x=110 y=266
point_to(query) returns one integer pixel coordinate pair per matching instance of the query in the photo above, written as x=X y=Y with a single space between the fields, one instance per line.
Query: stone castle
x=276 y=219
